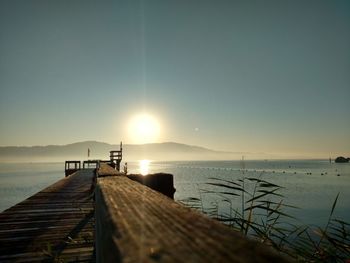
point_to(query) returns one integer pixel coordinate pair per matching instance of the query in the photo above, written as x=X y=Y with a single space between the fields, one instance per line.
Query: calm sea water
x=312 y=185
x=20 y=181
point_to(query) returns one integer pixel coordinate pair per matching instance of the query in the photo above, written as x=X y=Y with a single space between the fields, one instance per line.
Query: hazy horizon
x=165 y=151
x=241 y=76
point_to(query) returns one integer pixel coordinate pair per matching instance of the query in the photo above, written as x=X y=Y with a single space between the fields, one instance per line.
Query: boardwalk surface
x=56 y=224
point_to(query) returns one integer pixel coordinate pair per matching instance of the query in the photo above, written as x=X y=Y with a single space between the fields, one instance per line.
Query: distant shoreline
x=183 y=160
x=168 y=151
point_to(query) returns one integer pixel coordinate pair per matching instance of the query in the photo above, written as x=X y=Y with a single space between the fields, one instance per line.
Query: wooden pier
x=111 y=218
x=56 y=224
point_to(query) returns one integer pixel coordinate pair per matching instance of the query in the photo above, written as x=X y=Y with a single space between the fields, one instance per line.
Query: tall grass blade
x=264 y=193
x=227 y=186
x=223 y=180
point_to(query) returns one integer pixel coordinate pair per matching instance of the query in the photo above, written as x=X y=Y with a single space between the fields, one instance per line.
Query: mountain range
x=100 y=150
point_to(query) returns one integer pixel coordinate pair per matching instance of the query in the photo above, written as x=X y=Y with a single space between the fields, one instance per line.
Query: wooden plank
x=136 y=224
x=56 y=224
x=161 y=182
x=106 y=170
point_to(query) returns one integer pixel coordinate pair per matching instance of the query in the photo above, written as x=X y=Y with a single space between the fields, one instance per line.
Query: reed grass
x=262 y=216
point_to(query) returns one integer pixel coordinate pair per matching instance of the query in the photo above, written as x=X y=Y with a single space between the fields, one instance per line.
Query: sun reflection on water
x=144 y=166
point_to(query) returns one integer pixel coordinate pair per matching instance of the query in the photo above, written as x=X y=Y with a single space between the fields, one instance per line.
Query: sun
x=143 y=128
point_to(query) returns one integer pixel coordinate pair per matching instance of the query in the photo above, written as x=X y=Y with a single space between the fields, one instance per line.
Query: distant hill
x=99 y=150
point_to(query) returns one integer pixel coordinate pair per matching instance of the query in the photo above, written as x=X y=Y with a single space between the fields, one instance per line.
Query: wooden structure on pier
x=94 y=163
x=54 y=225
x=116 y=157
x=68 y=167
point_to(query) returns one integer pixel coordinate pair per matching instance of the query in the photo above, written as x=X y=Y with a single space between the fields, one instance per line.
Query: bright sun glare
x=144 y=128
x=144 y=166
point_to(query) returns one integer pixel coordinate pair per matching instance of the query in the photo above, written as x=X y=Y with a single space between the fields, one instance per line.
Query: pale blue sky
x=256 y=76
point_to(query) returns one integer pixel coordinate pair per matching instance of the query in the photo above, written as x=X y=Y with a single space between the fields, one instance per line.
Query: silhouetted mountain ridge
x=100 y=150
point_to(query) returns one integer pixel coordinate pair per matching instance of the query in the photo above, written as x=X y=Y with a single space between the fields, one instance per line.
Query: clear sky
x=252 y=76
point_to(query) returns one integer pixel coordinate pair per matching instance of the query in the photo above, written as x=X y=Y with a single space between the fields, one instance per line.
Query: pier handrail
x=68 y=170
x=137 y=224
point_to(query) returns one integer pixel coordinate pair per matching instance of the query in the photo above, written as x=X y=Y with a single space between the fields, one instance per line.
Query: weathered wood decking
x=137 y=224
x=52 y=225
